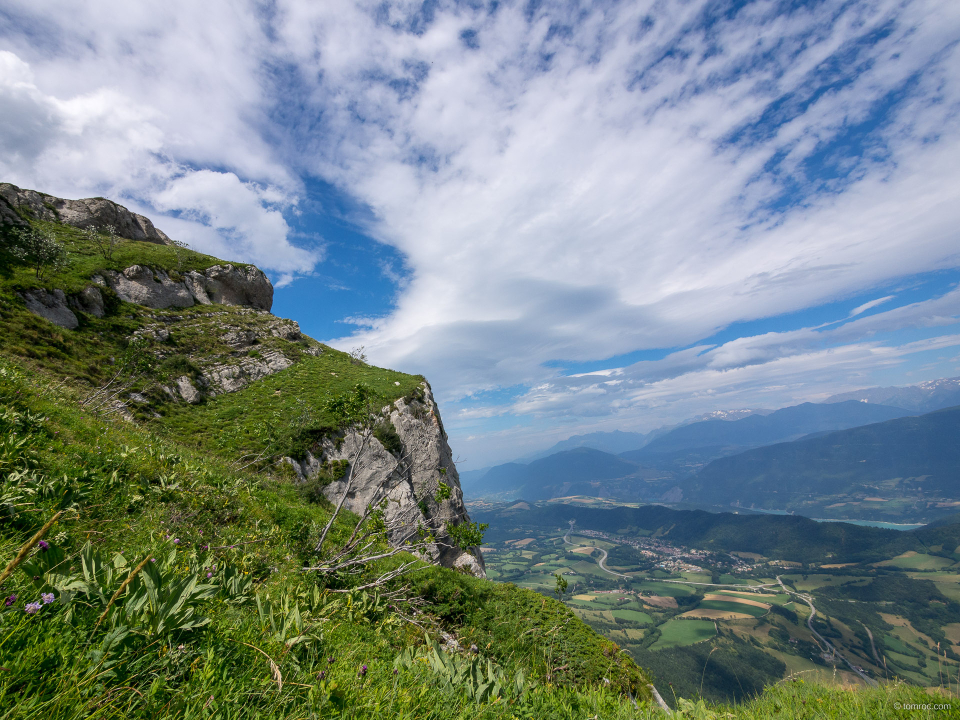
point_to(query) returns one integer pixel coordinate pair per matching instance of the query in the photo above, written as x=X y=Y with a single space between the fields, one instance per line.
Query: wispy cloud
x=871 y=304
x=565 y=182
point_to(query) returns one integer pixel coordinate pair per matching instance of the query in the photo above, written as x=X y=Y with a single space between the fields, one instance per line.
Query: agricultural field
x=874 y=622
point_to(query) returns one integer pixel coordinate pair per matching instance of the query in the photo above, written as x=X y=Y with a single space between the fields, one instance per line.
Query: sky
x=569 y=216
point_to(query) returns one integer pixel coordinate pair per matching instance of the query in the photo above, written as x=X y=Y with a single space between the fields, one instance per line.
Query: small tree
x=105 y=239
x=178 y=245
x=39 y=249
x=561 y=587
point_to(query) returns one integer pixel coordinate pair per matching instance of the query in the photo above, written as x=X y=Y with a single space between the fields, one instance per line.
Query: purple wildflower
x=153 y=559
x=47 y=598
x=10 y=600
x=363 y=670
x=395 y=671
x=44 y=545
x=322 y=675
x=330 y=660
x=176 y=541
x=209 y=575
x=31 y=608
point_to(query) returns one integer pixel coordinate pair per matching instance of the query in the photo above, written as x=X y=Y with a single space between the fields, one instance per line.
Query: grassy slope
x=142 y=487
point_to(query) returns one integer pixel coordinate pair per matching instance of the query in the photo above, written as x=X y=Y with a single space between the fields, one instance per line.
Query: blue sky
x=569 y=216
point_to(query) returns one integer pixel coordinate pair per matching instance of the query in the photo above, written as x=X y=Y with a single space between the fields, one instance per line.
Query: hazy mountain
x=581 y=471
x=899 y=468
x=717 y=438
x=614 y=442
x=925 y=397
x=727 y=415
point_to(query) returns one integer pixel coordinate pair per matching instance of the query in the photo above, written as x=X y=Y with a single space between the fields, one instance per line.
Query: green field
x=633 y=616
x=917 y=561
x=665 y=589
x=733 y=607
x=684 y=632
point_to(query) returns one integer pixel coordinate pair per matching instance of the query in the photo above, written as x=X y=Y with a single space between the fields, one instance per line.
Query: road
x=873 y=647
x=601 y=562
x=826 y=643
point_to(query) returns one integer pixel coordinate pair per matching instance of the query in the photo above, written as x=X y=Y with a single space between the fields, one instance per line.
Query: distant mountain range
x=718 y=438
x=925 y=397
x=887 y=469
x=614 y=442
x=852 y=457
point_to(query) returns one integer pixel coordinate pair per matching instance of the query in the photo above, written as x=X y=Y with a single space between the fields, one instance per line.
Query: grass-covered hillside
x=157 y=562
x=219 y=619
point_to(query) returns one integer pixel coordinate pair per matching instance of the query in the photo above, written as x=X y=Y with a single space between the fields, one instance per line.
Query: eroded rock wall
x=409 y=480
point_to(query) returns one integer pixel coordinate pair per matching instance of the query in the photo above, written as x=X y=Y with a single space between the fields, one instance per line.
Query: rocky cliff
x=89 y=212
x=408 y=476
x=228 y=344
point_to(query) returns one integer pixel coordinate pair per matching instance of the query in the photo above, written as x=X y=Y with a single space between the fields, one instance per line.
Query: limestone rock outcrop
x=223 y=284
x=88 y=212
x=409 y=481
x=52 y=306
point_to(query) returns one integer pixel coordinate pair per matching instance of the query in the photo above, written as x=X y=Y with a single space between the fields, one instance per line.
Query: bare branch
x=367 y=433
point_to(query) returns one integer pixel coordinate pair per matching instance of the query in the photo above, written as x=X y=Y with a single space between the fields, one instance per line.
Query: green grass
x=85 y=261
x=918 y=562
x=733 y=607
x=635 y=616
x=684 y=632
x=665 y=589
x=136 y=492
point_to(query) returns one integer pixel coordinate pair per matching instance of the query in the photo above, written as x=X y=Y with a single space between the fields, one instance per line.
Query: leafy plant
x=475 y=676
x=283 y=621
x=467 y=534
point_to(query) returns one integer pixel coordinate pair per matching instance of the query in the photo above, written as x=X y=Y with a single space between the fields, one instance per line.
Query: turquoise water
x=863 y=523
x=872 y=523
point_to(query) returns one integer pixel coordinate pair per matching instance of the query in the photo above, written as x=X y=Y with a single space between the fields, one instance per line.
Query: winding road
x=601 y=562
x=813 y=613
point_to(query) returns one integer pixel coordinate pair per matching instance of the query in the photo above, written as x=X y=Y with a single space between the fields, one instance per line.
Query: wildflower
x=209 y=575
x=395 y=671
x=176 y=541
x=363 y=670
x=31 y=608
x=322 y=675
x=153 y=559
x=47 y=598
x=10 y=600
x=330 y=660
x=44 y=545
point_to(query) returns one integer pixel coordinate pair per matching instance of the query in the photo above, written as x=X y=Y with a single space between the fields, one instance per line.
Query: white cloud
x=587 y=183
x=556 y=213
x=97 y=118
x=871 y=304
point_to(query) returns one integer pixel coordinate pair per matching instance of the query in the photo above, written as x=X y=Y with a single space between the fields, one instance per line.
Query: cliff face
x=408 y=478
